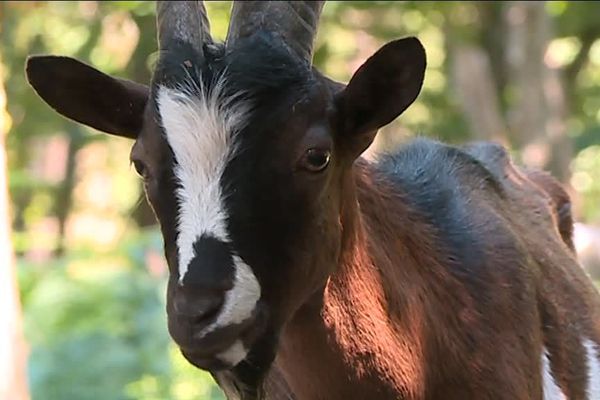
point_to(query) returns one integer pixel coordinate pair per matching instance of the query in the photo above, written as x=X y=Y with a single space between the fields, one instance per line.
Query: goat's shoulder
x=442 y=181
x=476 y=201
x=462 y=169
x=461 y=193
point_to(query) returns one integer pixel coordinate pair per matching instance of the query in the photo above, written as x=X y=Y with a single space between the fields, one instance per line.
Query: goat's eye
x=140 y=168
x=316 y=160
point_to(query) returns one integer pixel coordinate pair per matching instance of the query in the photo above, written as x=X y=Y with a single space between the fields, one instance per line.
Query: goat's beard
x=244 y=382
x=256 y=377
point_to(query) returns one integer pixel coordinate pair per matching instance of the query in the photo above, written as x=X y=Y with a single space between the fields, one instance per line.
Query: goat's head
x=245 y=150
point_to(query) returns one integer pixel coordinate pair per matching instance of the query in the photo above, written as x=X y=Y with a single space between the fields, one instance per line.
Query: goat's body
x=444 y=290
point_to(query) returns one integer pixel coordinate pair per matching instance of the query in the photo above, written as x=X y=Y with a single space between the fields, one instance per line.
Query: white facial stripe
x=200 y=131
x=233 y=355
x=593 y=366
x=551 y=389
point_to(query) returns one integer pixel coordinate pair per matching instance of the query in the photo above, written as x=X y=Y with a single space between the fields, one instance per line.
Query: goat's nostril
x=195 y=307
x=207 y=316
x=203 y=311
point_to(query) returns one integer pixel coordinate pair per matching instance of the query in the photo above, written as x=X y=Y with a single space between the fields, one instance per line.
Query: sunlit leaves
x=586 y=180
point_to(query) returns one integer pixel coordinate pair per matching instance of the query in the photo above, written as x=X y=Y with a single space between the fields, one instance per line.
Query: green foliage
x=97 y=330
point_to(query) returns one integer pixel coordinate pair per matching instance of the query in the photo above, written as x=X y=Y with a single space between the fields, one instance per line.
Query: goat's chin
x=205 y=363
x=247 y=379
x=238 y=357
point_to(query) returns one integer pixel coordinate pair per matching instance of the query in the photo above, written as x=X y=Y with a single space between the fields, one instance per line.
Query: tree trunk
x=13 y=351
x=493 y=34
x=474 y=84
x=537 y=116
x=64 y=196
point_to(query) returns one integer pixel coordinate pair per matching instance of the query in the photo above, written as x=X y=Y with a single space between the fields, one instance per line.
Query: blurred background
x=82 y=278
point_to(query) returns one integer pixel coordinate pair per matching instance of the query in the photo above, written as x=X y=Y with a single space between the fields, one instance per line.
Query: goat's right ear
x=86 y=95
x=380 y=90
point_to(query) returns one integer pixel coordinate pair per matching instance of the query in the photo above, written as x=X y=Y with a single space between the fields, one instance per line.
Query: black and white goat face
x=246 y=152
x=246 y=148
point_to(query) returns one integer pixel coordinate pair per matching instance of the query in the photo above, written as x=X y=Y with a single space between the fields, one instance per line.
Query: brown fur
x=392 y=322
x=561 y=201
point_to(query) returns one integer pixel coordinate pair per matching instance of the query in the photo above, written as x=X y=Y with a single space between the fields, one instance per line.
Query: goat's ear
x=88 y=96
x=380 y=90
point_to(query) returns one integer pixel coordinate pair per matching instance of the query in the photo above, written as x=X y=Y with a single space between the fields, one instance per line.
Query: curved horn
x=182 y=21
x=295 y=22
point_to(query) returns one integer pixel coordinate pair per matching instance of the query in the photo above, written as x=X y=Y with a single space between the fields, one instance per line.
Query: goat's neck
x=354 y=345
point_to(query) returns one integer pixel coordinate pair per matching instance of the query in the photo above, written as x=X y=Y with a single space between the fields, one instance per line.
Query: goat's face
x=245 y=153
x=237 y=158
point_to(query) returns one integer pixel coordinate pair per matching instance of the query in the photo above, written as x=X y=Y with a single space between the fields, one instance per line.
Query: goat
x=300 y=270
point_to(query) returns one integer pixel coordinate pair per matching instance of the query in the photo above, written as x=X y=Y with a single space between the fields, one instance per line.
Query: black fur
x=212 y=266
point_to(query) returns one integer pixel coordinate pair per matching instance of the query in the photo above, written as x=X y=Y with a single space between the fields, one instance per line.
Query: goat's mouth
x=224 y=347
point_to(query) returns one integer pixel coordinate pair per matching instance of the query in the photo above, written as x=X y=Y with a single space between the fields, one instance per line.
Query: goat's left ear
x=380 y=90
